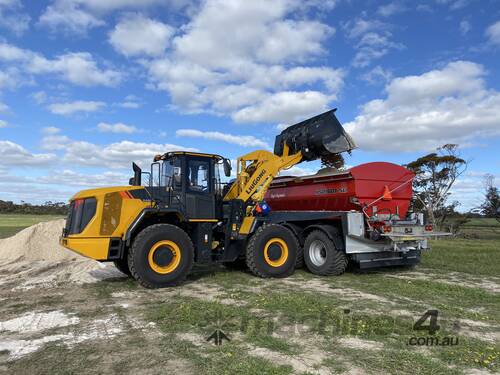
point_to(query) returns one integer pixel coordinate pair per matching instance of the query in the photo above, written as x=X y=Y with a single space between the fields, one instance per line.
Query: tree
x=491 y=203
x=435 y=175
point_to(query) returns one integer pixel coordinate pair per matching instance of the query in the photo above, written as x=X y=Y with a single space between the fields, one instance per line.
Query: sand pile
x=33 y=258
x=38 y=242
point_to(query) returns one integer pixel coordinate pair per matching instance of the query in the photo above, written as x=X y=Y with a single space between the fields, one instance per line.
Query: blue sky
x=86 y=87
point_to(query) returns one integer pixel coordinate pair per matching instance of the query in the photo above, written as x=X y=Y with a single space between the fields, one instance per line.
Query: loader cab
x=187 y=181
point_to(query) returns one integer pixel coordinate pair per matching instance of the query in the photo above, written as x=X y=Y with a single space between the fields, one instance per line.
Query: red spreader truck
x=359 y=215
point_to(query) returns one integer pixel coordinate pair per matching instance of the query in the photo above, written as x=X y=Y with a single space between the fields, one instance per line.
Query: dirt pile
x=33 y=258
x=38 y=242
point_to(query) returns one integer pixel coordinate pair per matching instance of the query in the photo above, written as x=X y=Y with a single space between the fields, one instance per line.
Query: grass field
x=10 y=224
x=358 y=323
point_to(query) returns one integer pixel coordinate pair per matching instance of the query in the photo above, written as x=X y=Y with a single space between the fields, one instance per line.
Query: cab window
x=198 y=176
x=171 y=173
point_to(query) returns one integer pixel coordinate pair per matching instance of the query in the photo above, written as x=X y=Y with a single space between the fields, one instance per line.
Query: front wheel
x=161 y=255
x=321 y=255
x=122 y=266
x=272 y=251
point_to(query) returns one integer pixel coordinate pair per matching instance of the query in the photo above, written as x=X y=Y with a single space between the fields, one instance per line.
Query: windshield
x=170 y=173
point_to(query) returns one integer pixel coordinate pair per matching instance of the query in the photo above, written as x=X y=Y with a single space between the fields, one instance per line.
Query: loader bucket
x=318 y=137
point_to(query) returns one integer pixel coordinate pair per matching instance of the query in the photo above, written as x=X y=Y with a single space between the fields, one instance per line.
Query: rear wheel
x=322 y=257
x=161 y=255
x=122 y=266
x=272 y=251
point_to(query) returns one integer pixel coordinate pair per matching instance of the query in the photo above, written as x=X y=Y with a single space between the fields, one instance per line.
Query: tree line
x=47 y=208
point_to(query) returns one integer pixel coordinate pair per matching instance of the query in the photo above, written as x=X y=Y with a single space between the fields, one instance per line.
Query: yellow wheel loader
x=155 y=231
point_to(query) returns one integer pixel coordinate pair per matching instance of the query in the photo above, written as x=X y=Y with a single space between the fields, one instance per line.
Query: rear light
x=387 y=229
x=428 y=228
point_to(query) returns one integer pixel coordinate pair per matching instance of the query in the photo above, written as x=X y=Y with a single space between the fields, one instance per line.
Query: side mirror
x=136 y=180
x=131 y=181
x=227 y=167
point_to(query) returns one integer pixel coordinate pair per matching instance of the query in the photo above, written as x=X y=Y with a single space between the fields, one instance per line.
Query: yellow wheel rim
x=173 y=263
x=284 y=252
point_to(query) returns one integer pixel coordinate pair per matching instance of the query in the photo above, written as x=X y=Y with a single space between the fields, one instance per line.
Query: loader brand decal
x=331 y=191
x=255 y=181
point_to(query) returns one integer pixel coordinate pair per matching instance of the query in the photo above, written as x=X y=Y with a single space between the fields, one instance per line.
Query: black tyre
x=122 y=266
x=272 y=251
x=322 y=257
x=162 y=255
x=300 y=258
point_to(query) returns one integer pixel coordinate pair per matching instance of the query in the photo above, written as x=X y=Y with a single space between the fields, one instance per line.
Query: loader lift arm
x=256 y=170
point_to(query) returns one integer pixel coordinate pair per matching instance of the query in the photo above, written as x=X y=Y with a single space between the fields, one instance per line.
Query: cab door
x=200 y=189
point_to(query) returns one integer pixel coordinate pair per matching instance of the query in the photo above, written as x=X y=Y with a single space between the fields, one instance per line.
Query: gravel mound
x=38 y=242
x=33 y=258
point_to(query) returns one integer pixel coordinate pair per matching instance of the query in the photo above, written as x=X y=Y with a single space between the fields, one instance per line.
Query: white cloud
x=454 y=4
x=423 y=112
x=13 y=154
x=76 y=106
x=3 y=124
x=464 y=27
x=79 y=16
x=390 y=9
x=493 y=33
x=374 y=40
x=230 y=73
x=137 y=35
x=131 y=102
x=4 y=108
x=116 y=155
x=373 y=46
x=130 y=105
x=12 y=17
x=76 y=67
x=50 y=130
x=287 y=106
x=67 y=16
x=377 y=75
x=39 y=97
x=8 y=52
x=240 y=140
x=118 y=128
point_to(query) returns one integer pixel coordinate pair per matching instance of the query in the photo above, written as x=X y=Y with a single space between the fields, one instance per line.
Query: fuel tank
x=353 y=189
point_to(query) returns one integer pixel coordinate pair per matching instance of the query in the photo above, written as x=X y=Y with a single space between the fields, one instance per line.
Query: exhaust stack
x=318 y=137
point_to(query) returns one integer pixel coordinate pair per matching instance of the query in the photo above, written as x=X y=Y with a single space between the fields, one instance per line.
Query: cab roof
x=172 y=153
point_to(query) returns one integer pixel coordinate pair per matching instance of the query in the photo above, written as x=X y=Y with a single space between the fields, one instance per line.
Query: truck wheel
x=322 y=257
x=122 y=266
x=272 y=251
x=161 y=255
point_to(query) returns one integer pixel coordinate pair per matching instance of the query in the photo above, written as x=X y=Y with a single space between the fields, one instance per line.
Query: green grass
x=10 y=224
x=477 y=257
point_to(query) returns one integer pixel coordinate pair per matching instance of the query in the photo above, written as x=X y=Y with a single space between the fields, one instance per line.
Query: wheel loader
x=180 y=213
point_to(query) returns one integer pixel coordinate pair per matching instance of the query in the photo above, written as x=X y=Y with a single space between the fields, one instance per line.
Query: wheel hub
x=163 y=256
x=274 y=252
x=317 y=253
